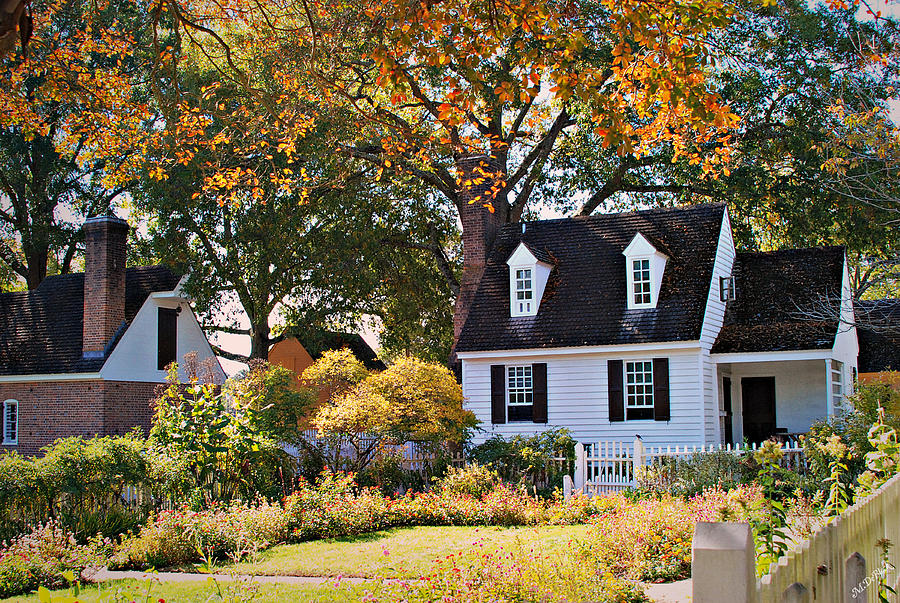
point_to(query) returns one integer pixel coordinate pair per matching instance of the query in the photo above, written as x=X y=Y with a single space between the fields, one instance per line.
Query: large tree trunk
x=259 y=336
x=478 y=184
x=36 y=263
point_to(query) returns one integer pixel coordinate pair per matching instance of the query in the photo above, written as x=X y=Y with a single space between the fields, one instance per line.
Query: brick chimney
x=104 y=282
x=480 y=227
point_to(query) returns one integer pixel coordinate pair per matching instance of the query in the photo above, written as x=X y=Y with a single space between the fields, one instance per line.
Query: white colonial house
x=650 y=323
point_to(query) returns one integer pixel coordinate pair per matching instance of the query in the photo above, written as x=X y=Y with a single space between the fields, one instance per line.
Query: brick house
x=85 y=354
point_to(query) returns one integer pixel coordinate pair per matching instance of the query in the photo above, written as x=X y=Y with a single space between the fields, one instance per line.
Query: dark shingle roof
x=42 y=329
x=318 y=342
x=584 y=302
x=777 y=294
x=879 y=335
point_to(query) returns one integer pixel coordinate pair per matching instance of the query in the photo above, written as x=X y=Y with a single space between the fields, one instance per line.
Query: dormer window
x=640 y=281
x=644 y=267
x=726 y=288
x=524 y=290
x=527 y=279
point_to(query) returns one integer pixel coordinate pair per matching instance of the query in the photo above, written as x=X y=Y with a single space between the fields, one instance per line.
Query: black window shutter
x=616 y=391
x=498 y=393
x=661 y=389
x=167 y=337
x=539 y=384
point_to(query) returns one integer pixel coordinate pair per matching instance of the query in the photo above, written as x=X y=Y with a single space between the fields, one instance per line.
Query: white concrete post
x=637 y=461
x=568 y=487
x=795 y=593
x=580 y=466
x=855 y=585
x=724 y=563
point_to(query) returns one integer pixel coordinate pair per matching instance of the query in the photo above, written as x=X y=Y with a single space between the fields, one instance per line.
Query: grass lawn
x=400 y=552
x=202 y=592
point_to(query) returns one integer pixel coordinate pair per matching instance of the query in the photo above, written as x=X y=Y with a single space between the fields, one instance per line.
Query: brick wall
x=52 y=410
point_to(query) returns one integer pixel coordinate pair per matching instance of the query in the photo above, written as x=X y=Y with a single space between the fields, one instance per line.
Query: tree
x=470 y=98
x=411 y=401
x=782 y=69
x=270 y=391
x=72 y=131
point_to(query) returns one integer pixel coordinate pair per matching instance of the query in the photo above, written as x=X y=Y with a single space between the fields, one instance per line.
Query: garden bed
x=400 y=552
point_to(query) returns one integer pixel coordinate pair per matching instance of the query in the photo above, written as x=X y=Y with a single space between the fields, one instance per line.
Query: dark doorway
x=758 y=402
x=729 y=422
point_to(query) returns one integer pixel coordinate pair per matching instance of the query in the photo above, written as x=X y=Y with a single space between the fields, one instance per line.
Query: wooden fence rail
x=842 y=562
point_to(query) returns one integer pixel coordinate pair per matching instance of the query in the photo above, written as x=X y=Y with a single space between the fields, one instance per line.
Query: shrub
x=334 y=507
x=42 y=558
x=853 y=427
x=472 y=479
x=527 y=459
x=80 y=481
x=651 y=540
x=183 y=536
x=228 y=456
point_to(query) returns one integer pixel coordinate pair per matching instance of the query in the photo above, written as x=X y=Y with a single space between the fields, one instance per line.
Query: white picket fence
x=842 y=562
x=609 y=466
x=413 y=456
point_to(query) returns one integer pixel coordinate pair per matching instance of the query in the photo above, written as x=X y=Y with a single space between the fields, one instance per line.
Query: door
x=726 y=403
x=758 y=401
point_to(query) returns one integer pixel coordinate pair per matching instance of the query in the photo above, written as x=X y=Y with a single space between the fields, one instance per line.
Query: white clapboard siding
x=577 y=397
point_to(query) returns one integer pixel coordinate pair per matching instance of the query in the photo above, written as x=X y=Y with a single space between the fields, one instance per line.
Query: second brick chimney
x=104 y=282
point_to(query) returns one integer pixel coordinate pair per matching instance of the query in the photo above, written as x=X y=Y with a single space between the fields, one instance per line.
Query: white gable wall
x=135 y=356
x=577 y=396
x=846 y=344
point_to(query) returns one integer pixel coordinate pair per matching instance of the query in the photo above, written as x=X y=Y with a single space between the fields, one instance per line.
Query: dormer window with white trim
x=640 y=281
x=726 y=288
x=524 y=290
x=644 y=266
x=527 y=279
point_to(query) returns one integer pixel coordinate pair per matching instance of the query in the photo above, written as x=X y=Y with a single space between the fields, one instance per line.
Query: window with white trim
x=726 y=288
x=639 y=389
x=519 y=392
x=837 y=385
x=10 y=422
x=524 y=290
x=640 y=281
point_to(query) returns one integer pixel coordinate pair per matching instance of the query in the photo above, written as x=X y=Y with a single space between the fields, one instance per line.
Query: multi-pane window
x=640 y=281
x=524 y=290
x=837 y=385
x=10 y=422
x=726 y=288
x=519 y=393
x=520 y=388
x=639 y=384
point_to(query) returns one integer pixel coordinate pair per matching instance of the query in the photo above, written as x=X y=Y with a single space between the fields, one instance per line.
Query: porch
x=762 y=395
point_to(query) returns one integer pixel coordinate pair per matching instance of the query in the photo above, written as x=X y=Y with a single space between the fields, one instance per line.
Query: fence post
x=568 y=487
x=795 y=593
x=724 y=561
x=638 y=458
x=855 y=584
x=580 y=467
